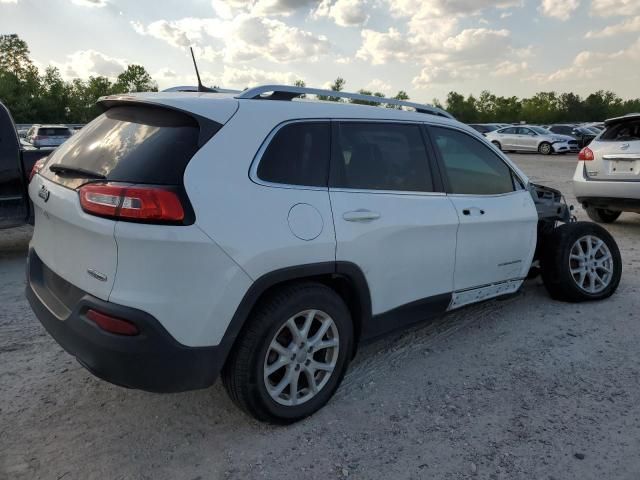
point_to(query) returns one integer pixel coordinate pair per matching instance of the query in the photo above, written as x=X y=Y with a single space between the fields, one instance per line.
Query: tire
x=559 y=258
x=244 y=375
x=602 y=215
x=497 y=145
x=545 y=148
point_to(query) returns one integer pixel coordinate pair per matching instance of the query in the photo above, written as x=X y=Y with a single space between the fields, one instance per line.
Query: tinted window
x=525 y=131
x=381 y=156
x=623 y=132
x=508 y=131
x=131 y=144
x=470 y=166
x=298 y=155
x=54 y=132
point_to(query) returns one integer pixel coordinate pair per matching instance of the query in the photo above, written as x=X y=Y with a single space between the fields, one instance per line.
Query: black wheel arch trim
x=319 y=271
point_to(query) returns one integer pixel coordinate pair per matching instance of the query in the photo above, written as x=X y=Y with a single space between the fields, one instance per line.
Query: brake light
x=154 y=204
x=586 y=154
x=112 y=324
x=36 y=168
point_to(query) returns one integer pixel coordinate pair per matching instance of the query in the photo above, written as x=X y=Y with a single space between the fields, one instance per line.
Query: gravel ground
x=524 y=388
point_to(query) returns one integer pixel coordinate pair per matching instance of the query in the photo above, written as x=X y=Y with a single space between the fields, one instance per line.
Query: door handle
x=360 y=215
x=472 y=211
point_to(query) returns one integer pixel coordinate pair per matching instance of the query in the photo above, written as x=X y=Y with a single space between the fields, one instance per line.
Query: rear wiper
x=67 y=170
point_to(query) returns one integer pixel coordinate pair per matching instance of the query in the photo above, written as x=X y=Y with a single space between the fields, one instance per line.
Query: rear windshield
x=622 y=132
x=130 y=144
x=53 y=132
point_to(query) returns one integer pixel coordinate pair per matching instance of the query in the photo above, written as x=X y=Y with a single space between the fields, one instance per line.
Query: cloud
x=244 y=38
x=227 y=9
x=248 y=77
x=377 y=85
x=346 y=13
x=594 y=68
x=8 y=1
x=560 y=9
x=509 y=68
x=443 y=8
x=610 y=8
x=91 y=3
x=627 y=26
x=86 y=63
x=382 y=47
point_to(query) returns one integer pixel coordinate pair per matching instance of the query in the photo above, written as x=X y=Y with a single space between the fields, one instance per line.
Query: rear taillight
x=36 y=168
x=151 y=204
x=586 y=154
x=112 y=324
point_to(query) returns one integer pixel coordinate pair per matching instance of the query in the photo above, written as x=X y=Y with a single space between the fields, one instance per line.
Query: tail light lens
x=586 y=154
x=146 y=204
x=36 y=168
x=112 y=324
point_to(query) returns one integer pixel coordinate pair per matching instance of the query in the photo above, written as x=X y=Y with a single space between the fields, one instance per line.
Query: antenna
x=201 y=88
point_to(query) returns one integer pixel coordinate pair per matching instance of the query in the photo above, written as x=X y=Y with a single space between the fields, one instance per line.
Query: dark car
x=581 y=134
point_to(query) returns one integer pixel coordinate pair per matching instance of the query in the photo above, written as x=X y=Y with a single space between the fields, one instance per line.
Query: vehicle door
x=528 y=139
x=508 y=138
x=14 y=206
x=498 y=219
x=392 y=219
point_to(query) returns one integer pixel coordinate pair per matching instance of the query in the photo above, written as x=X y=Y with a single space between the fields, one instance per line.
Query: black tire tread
x=602 y=215
x=236 y=374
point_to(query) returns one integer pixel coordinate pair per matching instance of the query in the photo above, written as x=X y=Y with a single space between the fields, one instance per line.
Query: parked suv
x=531 y=138
x=47 y=135
x=182 y=235
x=607 y=178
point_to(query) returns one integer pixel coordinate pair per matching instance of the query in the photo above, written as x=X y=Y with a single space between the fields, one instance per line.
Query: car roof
x=211 y=105
x=624 y=118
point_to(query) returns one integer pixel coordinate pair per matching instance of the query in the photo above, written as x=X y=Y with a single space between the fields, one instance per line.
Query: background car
x=607 y=178
x=47 y=135
x=484 y=128
x=583 y=135
x=531 y=138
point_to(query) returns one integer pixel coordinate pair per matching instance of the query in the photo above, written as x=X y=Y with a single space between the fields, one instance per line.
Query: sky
x=425 y=47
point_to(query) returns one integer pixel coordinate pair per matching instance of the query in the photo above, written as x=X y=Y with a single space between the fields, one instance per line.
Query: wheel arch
x=345 y=278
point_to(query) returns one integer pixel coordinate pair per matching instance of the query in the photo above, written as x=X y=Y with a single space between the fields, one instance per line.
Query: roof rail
x=285 y=92
x=194 y=88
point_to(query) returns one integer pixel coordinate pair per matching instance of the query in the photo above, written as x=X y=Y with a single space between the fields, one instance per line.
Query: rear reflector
x=586 y=154
x=36 y=168
x=112 y=324
x=154 y=204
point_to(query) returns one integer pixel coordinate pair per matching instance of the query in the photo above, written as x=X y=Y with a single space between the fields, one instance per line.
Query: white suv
x=183 y=235
x=607 y=177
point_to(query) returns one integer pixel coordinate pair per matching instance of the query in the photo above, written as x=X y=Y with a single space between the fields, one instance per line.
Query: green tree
x=367 y=102
x=135 y=79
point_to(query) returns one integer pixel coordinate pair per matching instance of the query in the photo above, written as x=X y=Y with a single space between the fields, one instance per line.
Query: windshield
x=539 y=130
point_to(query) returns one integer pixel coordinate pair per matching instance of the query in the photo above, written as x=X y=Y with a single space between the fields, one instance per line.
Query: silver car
x=531 y=138
x=607 y=178
x=47 y=135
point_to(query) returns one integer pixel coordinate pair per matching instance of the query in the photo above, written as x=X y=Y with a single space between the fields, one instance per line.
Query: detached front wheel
x=580 y=262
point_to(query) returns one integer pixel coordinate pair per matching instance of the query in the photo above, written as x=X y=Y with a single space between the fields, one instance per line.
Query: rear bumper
x=614 y=194
x=152 y=361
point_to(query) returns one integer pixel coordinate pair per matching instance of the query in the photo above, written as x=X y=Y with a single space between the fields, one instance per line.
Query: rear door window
x=130 y=144
x=471 y=168
x=54 y=132
x=380 y=156
x=298 y=154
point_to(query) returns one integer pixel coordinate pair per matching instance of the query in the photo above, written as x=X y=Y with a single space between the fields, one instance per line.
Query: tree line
x=32 y=96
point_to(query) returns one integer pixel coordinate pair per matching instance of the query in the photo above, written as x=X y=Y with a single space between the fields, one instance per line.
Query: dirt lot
x=525 y=388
